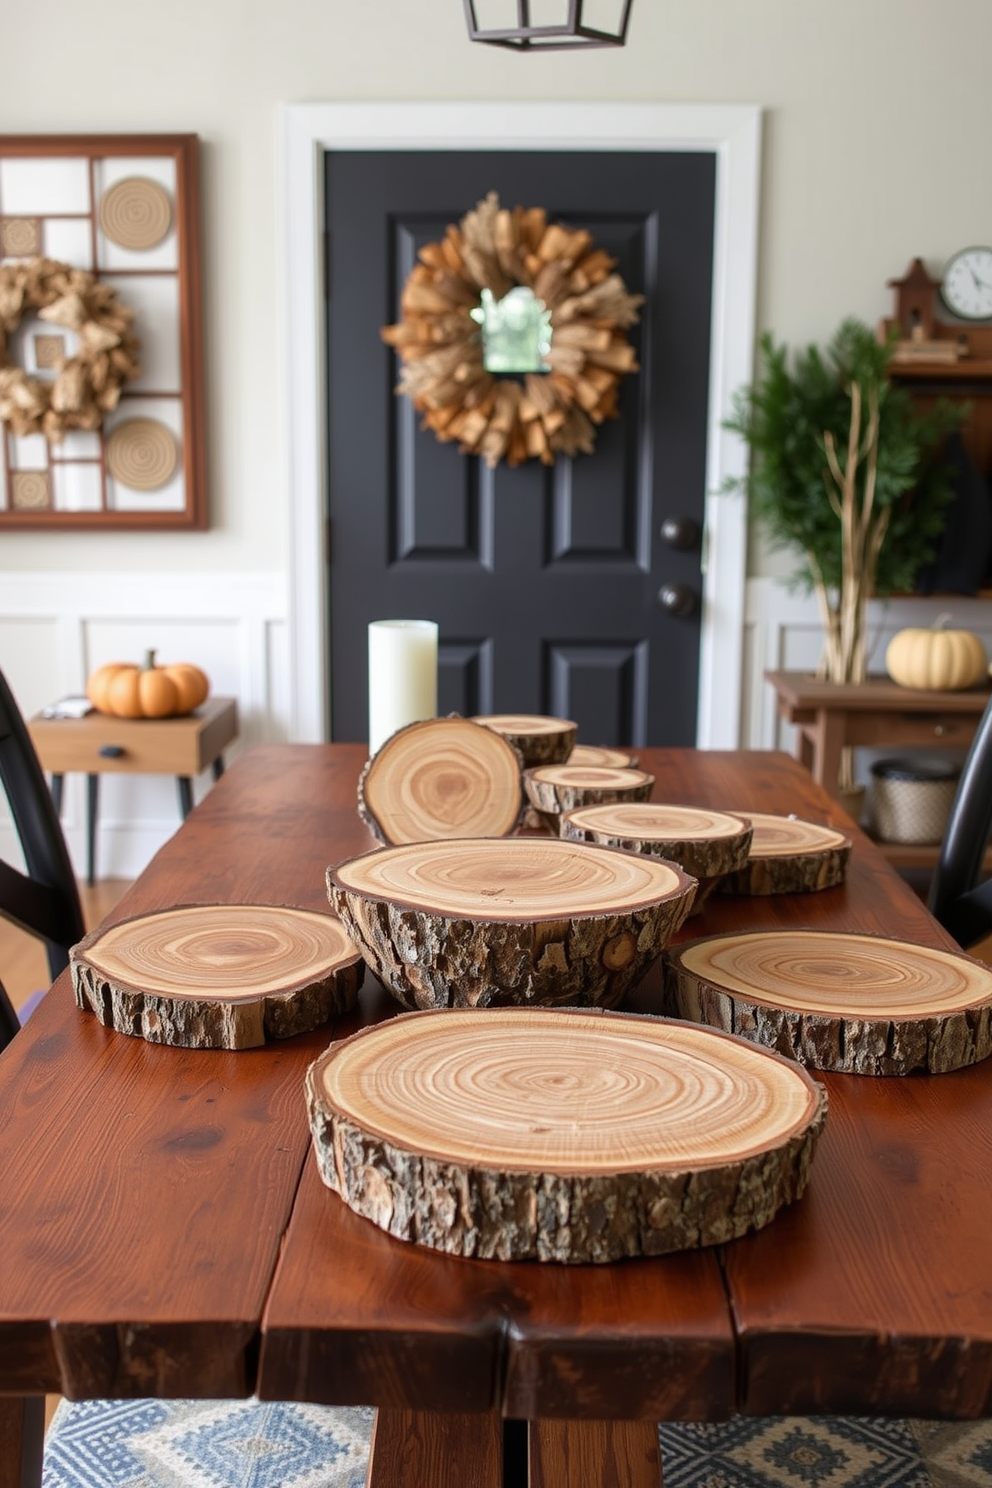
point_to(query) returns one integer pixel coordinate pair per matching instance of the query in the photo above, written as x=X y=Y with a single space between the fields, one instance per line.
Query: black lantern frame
x=566 y=36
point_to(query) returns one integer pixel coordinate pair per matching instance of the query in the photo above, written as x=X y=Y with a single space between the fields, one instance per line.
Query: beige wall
x=877 y=128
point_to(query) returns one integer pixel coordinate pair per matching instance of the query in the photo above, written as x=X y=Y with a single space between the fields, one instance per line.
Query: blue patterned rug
x=248 y=1444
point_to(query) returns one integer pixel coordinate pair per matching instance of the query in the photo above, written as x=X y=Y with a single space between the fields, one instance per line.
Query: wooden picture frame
x=55 y=192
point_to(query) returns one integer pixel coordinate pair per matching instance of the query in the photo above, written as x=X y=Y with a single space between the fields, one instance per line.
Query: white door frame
x=732 y=132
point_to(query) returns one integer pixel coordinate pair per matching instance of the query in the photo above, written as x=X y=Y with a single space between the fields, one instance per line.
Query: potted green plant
x=846 y=472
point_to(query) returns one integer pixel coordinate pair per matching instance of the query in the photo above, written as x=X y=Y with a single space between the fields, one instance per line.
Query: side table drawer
x=911 y=730
x=149 y=746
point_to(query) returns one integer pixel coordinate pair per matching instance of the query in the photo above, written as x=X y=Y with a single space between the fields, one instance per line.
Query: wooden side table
x=875 y=714
x=99 y=744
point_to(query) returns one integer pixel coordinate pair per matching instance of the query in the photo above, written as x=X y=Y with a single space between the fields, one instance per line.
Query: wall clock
x=967 y=284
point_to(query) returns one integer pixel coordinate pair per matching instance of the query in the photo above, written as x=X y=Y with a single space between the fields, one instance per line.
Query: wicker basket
x=910 y=800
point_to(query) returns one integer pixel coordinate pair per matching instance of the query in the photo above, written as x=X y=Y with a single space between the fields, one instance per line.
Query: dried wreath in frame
x=87 y=384
x=497 y=283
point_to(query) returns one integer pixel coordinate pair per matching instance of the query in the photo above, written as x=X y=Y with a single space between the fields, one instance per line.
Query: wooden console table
x=877 y=714
x=98 y=744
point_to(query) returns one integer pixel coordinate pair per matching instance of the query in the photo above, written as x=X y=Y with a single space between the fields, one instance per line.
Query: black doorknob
x=680 y=532
x=678 y=599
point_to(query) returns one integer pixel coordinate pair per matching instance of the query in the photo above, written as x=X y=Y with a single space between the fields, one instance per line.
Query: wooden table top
x=164 y=1231
x=799 y=690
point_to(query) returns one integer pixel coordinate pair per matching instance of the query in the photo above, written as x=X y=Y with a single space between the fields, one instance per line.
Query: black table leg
x=57 y=782
x=218 y=767
x=92 y=802
x=185 y=784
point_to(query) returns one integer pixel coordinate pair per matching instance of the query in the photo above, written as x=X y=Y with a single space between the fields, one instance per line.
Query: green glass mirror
x=516 y=331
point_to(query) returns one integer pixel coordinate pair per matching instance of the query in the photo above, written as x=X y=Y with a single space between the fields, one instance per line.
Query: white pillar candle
x=402 y=676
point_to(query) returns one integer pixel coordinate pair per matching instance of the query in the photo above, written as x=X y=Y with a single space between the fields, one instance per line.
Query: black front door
x=544 y=581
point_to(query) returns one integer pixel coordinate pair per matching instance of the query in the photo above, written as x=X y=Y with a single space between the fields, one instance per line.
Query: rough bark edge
x=212 y=1023
x=792 y=873
x=848 y=1045
x=378 y=831
x=433 y=961
x=702 y=857
x=550 y=748
x=551 y=800
x=489 y=1214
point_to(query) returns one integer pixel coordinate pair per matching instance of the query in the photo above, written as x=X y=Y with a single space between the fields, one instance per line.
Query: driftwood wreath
x=587 y=309
x=88 y=384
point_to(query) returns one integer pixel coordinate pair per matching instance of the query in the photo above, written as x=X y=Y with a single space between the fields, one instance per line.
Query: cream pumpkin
x=148 y=691
x=941 y=660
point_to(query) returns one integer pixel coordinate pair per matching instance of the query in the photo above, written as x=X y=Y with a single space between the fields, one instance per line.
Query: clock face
x=967 y=286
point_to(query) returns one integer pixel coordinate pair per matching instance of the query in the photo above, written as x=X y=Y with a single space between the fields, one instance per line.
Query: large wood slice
x=217 y=976
x=539 y=740
x=567 y=1136
x=552 y=789
x=598 y=754
x=487 y=921
x=446 y=777
x=789 y=856
x=707 y=844
x=836 y=1001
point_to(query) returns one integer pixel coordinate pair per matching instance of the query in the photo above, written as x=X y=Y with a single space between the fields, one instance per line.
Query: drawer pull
x=112 y=751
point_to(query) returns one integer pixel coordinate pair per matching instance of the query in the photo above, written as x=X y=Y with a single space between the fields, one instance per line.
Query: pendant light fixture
x=548 y=25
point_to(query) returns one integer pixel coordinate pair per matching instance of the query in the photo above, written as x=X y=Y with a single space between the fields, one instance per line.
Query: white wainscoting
x=55 y=628
x=782 y=633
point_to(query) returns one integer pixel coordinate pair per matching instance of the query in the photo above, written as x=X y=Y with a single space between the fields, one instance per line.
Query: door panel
x=544 y=581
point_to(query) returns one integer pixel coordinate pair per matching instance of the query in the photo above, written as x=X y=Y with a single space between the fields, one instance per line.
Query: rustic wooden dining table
x=164 y=1231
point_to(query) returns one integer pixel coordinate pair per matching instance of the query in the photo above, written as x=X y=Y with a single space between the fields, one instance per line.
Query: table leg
x=831 y=729
x=185 y=784
x=22 y=1436
x=594 y=1454
x=57 y=783
x=434 y=1449
x=218 y=767
x=92 y=803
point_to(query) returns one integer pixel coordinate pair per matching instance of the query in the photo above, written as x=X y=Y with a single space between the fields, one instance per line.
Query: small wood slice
x=552 y=789
x=217 y=976
x=595 y=754
x=486 y=921
x=564 y=1136
x=838 y=1001
x=446 y=777
x=707 y=844
x=141 y=453
x=789 y=856
x=136 y=213
x=539 y=740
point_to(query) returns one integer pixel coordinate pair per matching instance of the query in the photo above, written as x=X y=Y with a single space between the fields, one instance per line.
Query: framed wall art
x=101 y=355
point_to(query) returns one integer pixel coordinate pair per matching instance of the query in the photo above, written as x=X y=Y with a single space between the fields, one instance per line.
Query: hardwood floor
x=23 y=964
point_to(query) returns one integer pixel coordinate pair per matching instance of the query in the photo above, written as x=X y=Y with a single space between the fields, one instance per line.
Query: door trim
x=731 y=131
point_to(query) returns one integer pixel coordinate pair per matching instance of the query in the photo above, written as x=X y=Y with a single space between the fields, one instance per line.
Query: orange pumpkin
x=148 y=691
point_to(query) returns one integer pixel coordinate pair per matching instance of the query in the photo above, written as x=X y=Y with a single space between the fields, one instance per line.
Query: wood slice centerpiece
x=836 y=1001
x=446 y=777
x=561 y=1136
x=707 y=844
x=552 y=789
x=217 y=976
x=789 y=856
x=485 y=922
x=539 y=740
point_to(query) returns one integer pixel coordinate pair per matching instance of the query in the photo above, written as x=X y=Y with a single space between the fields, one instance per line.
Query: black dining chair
x=45 y=899
x=958 y=899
